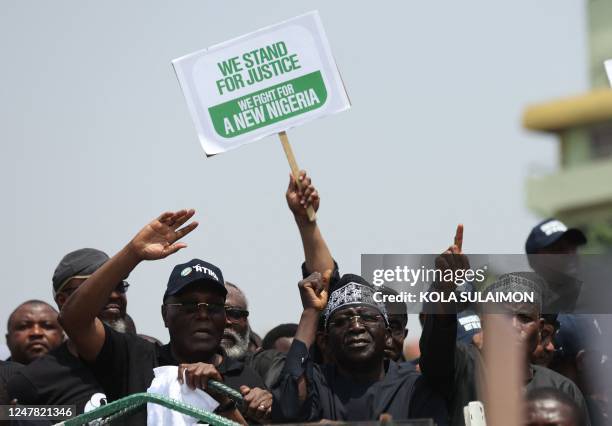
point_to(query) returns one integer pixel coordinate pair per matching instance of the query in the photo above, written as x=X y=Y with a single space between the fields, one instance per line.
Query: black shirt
x=469 y=366
x=546 y=378
x=403 y=393
x=267 y=363
x=58 y=378
x=125 y=366
x=7 y=370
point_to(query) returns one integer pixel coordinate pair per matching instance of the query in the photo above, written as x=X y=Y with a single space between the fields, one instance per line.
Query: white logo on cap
x=200 y=268
x=186 y=271
x=470 y=322
x=553 y=226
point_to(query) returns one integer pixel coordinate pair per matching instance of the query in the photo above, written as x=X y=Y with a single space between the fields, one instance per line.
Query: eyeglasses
x=236 y=314
x=193 y=307
x=364 y=318
x=122 y=288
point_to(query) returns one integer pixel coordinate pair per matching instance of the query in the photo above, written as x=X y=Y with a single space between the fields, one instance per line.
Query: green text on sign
x=269 y=106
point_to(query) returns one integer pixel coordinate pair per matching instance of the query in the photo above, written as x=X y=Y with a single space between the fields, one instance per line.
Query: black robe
x=403 y=393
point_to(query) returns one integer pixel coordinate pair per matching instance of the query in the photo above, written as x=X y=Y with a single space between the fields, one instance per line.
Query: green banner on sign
x=269 y=105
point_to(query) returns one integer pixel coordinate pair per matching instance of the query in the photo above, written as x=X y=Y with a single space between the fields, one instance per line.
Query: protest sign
x=262 y=83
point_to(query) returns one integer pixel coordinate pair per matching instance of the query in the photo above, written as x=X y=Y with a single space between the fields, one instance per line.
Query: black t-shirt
x=58 y=378
x=125 y=366
x=7 y=370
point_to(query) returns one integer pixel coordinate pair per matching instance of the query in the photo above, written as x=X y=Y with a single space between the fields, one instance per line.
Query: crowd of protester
x=345 y=358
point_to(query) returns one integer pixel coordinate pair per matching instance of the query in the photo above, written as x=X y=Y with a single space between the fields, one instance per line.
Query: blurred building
x=580 y=192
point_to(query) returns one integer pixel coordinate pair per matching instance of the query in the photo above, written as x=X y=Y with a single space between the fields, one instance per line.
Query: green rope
x=224 y=389
x=123 y=406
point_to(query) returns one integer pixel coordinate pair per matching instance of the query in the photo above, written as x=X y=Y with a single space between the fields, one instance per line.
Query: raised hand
x=314 y=290
x=453 y=258
x=158 y=239
x=300 y=196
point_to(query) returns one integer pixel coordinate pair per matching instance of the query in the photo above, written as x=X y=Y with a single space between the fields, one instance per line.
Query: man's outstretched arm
x=156 y=240
x=299 y=197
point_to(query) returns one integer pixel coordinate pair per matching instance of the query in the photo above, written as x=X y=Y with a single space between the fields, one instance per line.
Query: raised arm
x=314 y=293
x=299 y=197
x=438 y=338
x=156 y=240
x=295 y=398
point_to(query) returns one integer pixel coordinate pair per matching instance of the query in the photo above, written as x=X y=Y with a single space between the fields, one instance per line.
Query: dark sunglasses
x=236 y=314
x=191 y=308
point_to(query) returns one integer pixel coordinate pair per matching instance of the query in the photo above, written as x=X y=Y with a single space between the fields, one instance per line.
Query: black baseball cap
x=550 y=231
x=77 y=264
x=195 y=270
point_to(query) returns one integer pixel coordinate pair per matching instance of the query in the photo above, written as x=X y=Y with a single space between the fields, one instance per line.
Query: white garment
x=166 y=384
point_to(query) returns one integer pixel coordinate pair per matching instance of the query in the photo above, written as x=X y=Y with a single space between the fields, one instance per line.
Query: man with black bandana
x=193 y=311
x=360 y=384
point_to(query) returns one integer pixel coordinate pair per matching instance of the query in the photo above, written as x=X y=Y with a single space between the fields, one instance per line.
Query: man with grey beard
x=237 y=330
x=122 y=324
x=268 y=364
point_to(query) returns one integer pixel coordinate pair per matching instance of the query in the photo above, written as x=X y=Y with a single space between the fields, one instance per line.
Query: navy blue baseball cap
x=576 y=333
x=468 y=324
x=195 y=270
x=549 y=232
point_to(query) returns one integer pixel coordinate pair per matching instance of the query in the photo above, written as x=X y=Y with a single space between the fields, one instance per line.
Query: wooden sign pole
x=295 y=170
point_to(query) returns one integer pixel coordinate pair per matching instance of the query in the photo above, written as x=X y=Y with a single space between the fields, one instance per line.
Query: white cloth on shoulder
x=166 y=384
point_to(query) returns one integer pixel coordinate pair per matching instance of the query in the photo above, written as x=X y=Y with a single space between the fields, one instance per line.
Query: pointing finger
x=459 y=237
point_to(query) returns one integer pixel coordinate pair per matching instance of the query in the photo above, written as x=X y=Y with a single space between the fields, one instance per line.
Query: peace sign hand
x=158 y=239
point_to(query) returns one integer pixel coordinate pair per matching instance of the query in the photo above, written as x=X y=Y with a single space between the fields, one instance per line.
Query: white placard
x=261 y=83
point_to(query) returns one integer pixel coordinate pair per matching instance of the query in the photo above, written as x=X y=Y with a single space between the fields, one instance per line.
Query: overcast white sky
x=97 y=139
